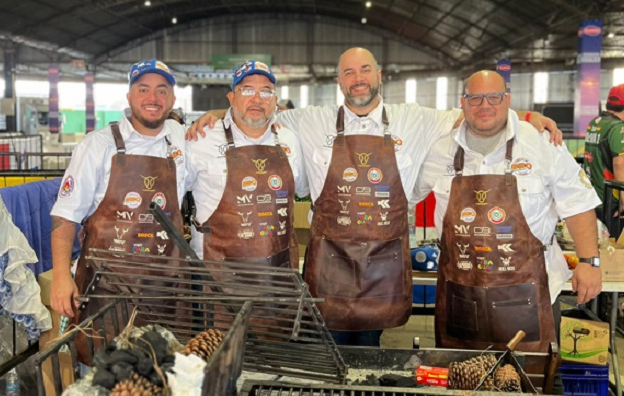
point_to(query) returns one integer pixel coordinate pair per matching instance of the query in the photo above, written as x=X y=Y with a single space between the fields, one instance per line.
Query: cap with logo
x=249 y=68
x=616 y=95
x=150 y=66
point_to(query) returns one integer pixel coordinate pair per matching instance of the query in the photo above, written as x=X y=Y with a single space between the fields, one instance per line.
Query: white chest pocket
x=530 y=191
x=442 y=187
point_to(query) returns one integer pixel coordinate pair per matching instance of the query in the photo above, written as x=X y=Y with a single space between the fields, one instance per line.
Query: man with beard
x=114 y=175
x=244 y=179
x=500 y=190
x=362 y=160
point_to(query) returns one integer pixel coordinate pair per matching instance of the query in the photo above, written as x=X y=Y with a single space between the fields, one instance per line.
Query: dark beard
x=150 y=124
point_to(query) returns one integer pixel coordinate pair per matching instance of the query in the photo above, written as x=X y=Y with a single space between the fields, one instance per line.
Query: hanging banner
x=53 y=105
x=587 y=92
x=503 y=67
x=90 y=103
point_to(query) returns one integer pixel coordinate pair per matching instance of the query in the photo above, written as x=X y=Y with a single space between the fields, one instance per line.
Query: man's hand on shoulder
x=541 y=123
x=207 y=119
x=586 y=282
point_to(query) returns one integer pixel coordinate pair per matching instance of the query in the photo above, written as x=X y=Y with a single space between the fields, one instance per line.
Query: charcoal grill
x=279 y=294
x=398 y=361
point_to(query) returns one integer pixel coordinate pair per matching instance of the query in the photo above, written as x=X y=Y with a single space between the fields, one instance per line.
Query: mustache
x=258 y=108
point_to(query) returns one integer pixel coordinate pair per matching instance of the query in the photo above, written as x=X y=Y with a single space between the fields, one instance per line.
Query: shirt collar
x=128 y=132
x=510 y=131
x=375 y=116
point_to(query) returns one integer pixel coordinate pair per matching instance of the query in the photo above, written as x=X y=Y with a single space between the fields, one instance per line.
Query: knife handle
x=516 y=340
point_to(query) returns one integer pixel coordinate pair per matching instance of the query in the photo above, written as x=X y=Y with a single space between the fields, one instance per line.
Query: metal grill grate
x=269 y=388
x=294 y=343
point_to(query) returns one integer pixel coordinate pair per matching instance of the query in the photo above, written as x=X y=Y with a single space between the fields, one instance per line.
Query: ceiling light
x=611 y=35
x=147 y=3
x=174 y=20
x=369 y=4
x=363 y=21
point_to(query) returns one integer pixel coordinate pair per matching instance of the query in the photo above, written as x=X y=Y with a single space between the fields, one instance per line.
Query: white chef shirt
x=90 y=165
x=207 y=168
x=413 y=128
x=553 y=188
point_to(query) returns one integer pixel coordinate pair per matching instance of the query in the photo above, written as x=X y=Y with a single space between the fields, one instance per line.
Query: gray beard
x=256 y=123
x=362 y=101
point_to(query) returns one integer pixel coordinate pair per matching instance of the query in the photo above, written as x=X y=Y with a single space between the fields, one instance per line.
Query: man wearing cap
x=245 y=176
x=114 y=175
x=604 y=151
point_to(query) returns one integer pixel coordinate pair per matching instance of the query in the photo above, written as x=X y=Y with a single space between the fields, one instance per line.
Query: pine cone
x=136 y=386
x=204 y=344
x=467 y=374
x=507 y=379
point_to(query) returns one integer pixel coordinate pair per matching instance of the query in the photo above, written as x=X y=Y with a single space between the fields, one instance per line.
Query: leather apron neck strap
x=340 y=127
x=458 y=161
x=119 y=143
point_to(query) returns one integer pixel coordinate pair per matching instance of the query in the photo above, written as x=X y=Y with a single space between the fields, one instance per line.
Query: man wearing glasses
x=500 y=189
x=245 y=176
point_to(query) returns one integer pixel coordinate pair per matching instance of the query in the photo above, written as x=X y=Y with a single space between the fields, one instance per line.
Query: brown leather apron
x=253 y=222
x=358 y=255
x=492 y=278
x=123 y=223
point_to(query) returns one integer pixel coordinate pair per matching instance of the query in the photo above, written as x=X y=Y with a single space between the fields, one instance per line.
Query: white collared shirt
x=90 y=165
x=413 y=128
x=550 y=184
x=207 y=168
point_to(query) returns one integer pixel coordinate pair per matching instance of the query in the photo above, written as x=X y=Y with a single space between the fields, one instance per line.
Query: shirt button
x=524 y=190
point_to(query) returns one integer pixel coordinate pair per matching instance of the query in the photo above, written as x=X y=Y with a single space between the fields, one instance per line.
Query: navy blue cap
x=150 y=66
x=249 y=68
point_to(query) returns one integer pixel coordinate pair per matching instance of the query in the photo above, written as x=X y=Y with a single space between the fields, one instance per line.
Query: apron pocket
x=361 y=269
x=465 y=312
x=512 y=308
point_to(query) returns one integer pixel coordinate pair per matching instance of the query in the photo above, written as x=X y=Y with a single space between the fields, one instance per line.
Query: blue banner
x=89 y=104
x=53 y=105
x=503 y=67
x=587 y=92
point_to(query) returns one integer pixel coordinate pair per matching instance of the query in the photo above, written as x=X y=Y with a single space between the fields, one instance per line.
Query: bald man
x=500 y=189
x=362 y=160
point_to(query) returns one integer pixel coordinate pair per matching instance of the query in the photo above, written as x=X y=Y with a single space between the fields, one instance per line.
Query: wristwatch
x=593 y=261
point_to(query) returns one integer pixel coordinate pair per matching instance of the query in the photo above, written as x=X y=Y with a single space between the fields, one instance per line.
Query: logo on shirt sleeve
x=67 y=188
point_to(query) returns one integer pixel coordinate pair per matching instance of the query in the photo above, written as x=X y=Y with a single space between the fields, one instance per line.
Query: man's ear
x=230 y=96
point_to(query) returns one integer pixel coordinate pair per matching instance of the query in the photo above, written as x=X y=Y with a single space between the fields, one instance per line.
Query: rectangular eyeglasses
x=494 y=98
x=265 y=94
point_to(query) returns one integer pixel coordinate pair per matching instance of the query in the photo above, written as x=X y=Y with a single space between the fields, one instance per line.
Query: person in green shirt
x=604 y=152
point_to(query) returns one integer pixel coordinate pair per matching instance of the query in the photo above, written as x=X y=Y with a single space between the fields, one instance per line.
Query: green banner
x=231 y=61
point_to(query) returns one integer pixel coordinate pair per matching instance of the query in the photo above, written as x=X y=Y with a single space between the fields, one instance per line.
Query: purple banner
x=53 y=105
x=587 y=93
x=503 y=67
x=89 y=104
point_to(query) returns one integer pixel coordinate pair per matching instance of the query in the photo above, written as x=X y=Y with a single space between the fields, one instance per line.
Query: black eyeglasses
x=493 y=99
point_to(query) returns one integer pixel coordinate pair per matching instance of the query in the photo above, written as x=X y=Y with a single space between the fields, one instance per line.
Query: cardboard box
x=47 y=338
x=584 y=341
x=302 y=227
x=612 y=263
x=301 y=214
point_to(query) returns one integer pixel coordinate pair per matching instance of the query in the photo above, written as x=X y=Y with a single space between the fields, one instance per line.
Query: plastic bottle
x=12 y=383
